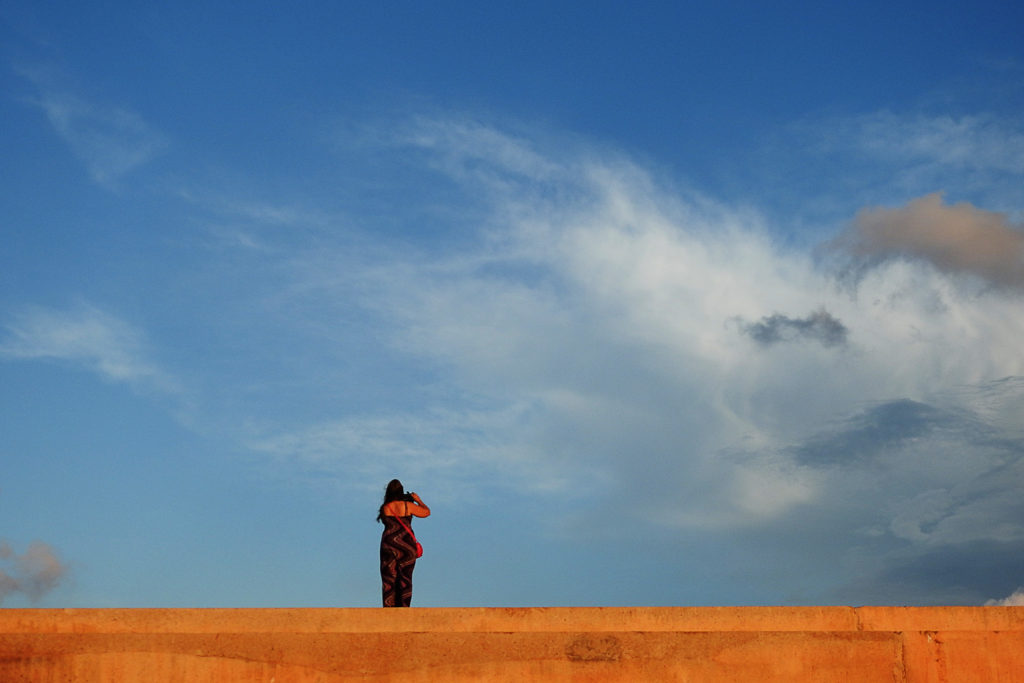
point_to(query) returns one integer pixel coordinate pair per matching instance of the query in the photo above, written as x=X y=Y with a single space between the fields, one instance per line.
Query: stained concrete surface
x=922 y=644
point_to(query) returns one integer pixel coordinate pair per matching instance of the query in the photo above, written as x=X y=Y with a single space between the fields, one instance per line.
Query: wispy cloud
x=445 y=450
x=84 y=335
x=980 y=142
x=471 y=149
x=110 y=140
x=830 y=167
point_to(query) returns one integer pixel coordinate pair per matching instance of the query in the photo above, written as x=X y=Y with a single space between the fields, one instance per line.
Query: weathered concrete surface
x=919 y=645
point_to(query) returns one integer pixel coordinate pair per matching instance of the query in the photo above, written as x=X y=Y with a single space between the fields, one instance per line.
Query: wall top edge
x=510 y=619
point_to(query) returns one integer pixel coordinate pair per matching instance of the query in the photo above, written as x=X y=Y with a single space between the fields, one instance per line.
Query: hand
x=415 y=497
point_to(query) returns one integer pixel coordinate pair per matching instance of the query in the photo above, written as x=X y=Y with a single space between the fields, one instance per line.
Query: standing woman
x=397 y=546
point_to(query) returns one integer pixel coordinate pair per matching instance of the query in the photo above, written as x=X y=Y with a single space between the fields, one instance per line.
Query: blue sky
x=654 y=304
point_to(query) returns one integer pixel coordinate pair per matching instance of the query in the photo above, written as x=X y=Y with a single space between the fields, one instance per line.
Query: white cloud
x=608 y=305
x=1015 y=599
x=111 y=141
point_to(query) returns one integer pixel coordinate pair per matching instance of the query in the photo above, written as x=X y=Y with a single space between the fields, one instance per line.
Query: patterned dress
x=397 y=560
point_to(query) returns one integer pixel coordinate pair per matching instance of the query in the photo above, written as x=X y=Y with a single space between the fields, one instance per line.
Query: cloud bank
x=587 y=341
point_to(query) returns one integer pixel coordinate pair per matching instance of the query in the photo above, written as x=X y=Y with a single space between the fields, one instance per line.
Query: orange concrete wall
x=925 y=644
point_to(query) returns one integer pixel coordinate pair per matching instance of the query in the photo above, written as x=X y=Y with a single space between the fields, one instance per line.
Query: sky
x=653 y=303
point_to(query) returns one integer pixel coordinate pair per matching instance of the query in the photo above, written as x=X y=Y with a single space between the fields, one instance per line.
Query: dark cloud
x=968 y=573
x=820 y=326
x=884 y=426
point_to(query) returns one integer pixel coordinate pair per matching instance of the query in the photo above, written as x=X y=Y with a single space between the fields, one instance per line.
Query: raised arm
x=418 y=508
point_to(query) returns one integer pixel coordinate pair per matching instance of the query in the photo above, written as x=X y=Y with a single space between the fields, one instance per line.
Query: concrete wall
x=762 y=644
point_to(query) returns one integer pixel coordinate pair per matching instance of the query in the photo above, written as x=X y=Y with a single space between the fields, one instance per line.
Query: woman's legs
x=403 y=584
x=389 y=578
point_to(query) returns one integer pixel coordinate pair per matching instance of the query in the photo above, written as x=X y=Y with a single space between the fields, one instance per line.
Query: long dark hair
x=394 y=491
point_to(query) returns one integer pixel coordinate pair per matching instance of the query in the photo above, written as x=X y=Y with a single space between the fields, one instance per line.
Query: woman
x=397 y=547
